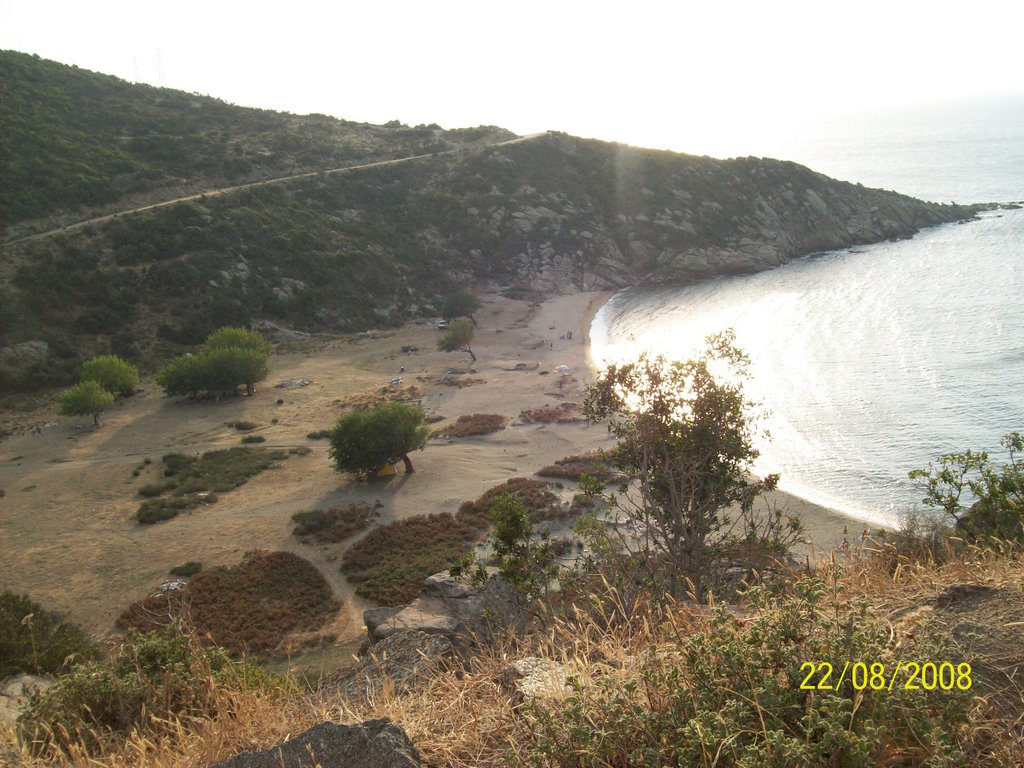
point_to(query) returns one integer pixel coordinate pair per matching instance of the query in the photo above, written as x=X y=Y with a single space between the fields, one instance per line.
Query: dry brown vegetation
x=472 y=425
x=374 y=397
x=593 y=463
x=248 y=608
x=563 y=413
x=540 y=502
x=389 y=564
x=334 y=524
x=467 y=715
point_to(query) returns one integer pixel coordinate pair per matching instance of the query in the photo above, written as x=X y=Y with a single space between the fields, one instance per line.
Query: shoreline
x=825 y=527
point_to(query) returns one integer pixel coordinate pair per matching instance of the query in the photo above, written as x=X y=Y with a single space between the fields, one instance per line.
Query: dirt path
x=252 y=185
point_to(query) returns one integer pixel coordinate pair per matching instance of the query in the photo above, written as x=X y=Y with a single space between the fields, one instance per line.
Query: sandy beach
x=68 y=535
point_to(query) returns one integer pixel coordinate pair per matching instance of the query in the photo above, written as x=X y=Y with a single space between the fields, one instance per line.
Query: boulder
x=452 y=606
x=15 y=693
x=401 y=660
x=371 y=744
x=536 y=678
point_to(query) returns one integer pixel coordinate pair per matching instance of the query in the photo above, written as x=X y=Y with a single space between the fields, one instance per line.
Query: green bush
x=191 y=568
x=86 y=399
x=732 y=695
x=112 y=373
x=37 y=641
x=190 y=477
x=149 y=681
x=254 y=439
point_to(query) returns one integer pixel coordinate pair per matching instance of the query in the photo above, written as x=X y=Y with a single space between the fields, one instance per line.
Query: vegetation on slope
x=373 y=247
x=76 y=138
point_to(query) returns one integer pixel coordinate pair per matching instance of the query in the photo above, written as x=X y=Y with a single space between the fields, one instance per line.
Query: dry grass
x=472 y=425
x=374 y=397
x=467 y=716
x=563 y=413
x=252 y=607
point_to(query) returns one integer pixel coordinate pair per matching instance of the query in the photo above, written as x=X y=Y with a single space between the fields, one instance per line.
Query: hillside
x=346 y=250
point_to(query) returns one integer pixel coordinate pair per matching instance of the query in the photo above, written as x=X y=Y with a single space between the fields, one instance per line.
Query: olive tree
x=112 y=373
x=367 y=439
x=462 y=303
x=231 y=357
x=86 y=399
x=686 y=445
x=457 y=338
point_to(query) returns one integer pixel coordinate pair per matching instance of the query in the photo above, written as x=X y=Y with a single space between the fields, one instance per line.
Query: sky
x=716 y=77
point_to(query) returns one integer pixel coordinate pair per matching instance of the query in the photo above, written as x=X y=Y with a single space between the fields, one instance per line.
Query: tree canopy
x=86 y=399
x=112 y=373
x=366 y=439
x=457 y=338
x=462 y=303
x=686 y=444
x=231 y=357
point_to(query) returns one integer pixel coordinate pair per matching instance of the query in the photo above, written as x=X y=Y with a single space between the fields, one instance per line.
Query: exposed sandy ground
x=68 y=535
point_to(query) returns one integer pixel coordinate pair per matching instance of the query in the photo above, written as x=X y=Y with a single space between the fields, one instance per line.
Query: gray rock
x=371 y=744
x=536 y=678
x=401 y=660
x=24 y=355
x=15 y=693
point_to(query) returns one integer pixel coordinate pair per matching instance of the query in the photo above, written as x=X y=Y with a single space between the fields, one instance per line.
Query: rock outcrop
x=450 y=606
x=371 y=744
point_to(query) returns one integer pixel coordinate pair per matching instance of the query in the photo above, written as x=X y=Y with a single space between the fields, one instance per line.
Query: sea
x=872 y=361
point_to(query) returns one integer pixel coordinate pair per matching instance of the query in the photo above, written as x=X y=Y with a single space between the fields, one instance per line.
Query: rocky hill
x=344 y=250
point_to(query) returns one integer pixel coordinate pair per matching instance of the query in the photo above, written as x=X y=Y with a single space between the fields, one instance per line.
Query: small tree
x=182 y=376
x=686 y=448
x=527 y=559
x=457 y=338
x=112 y=373
x=365 y=440
x=87 y=398
x=462 y=303
x=995 y=492
x=232 y=356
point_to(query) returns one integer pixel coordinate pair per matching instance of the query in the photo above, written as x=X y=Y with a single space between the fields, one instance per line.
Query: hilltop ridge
x=345 y=250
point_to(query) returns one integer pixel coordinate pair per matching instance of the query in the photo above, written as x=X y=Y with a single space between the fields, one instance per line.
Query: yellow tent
x=388 y=470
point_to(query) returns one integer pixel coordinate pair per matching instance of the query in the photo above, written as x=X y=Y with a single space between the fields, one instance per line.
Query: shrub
x=389 y=564
x=150 y=681
x=470 y=426
x=191 y=568
x=334 y=524
x=154 y=489
x=247 y=608
x=594 y=464
x=563 y=413
x=242 y=426
x=540 y=502
x=320 y=434
x=37 y=641
x=195 y=480
x=254 y=439
x=732 y=694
